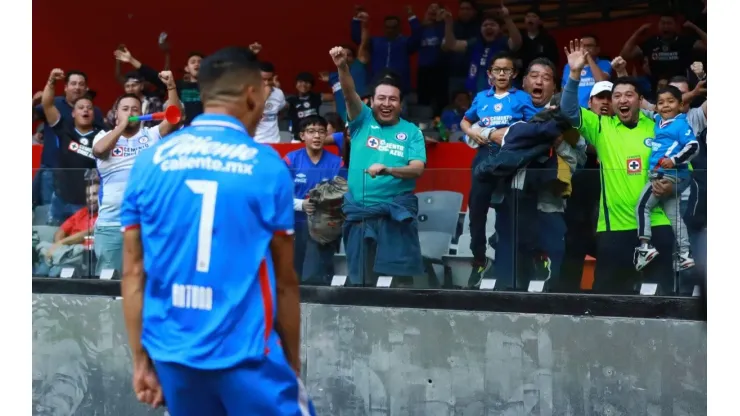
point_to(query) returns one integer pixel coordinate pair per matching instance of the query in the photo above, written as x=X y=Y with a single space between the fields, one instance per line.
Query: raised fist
x=338 y=55
x=56 y=75
x=644 y=28
x=167 y=78
x=619 y=65
x=698 y=68
x=363 y=16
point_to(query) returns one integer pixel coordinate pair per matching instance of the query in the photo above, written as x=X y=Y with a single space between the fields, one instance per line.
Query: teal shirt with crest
x=393 y=146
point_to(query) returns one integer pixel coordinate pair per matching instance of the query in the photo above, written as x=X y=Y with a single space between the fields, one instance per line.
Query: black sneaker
x=478 y=272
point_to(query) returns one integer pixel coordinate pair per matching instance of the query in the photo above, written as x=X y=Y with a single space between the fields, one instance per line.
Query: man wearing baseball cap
x=600 y=99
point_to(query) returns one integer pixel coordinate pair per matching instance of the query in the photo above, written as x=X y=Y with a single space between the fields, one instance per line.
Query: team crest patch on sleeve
x=634 y=165
x=401 y=136
x=498 y=107
x=373 y=143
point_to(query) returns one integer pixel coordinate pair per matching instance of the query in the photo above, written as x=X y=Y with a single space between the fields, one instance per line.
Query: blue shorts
x=268 y=387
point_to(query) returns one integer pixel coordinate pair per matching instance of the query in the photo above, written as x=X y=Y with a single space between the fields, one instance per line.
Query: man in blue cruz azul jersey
x=210 y=296
x=381 y=234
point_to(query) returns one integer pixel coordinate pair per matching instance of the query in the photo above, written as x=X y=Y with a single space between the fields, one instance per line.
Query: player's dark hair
x=389 y=18
x=69 y=75
x=544 y=62
x=305 y=77
x=668 y=13
x=627 y=81
x=309 y=121
x=390 y=81
x=670 y=89
x=592 y=36
x=195 y=53
x=503 y=55
x=457 y=93
x=333 y=120
x=267 y=67
x=227 y=72
x=678 y=79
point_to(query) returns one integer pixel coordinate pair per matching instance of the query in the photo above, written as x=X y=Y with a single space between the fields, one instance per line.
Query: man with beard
x=388 y=154
x=75 y=133
x=581 y=214
x=622 y=144
x=115 y=152
x=75 y=87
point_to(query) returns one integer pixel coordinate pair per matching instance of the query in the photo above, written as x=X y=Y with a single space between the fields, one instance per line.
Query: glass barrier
x=65 y=211
x=537 y=232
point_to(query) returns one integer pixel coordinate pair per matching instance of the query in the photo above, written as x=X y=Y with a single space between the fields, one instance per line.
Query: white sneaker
x=644 y=254
x=685 y=261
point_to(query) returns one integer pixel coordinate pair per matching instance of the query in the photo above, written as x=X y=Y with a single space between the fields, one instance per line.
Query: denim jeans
x=314 y=262
x=109 y=248
x=60 y=210
x=42 y=186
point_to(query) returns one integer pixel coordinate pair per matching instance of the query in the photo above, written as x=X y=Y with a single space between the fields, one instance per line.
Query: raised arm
x=700 y=44
x=598 y=73
x=414 y=41
x=584 y=120
x=354 y=103
x=172 y=99
x=150 y=75
x=47 y=98
x=515 y=36
x=631 y=50
x=363 y=50
x=450 y=43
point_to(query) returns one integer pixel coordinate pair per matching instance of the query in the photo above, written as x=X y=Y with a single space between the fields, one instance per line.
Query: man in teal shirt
x=388 y=155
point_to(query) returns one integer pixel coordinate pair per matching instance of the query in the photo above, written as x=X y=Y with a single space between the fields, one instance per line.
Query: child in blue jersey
x=310 y=166
x=492 y=109
x=210 y=296
x=673 y=147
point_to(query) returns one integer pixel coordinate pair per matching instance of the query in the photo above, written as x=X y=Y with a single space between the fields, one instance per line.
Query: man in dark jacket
x=392 y=50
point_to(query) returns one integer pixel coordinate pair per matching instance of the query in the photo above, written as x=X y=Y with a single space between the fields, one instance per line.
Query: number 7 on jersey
x=208 y=191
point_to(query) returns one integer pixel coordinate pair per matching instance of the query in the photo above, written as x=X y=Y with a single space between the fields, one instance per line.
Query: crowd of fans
x=589 y=170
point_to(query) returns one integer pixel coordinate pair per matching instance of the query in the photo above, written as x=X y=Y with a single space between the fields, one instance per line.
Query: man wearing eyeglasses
x=309 y=167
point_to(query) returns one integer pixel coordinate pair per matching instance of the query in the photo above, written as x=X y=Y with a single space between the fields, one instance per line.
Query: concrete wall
x=379 y=361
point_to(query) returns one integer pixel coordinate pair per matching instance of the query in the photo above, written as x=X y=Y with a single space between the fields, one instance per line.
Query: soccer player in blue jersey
x=496 y=108
x=311 y=166
x=210 y=296
x=673 y=148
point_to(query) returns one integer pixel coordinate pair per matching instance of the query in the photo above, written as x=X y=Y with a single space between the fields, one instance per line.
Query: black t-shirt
x=189 y=93
x=301 y=107
x=668 y=58
x=75 y=157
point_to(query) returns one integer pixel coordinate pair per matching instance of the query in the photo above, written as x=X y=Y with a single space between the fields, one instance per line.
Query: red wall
x=296 y=35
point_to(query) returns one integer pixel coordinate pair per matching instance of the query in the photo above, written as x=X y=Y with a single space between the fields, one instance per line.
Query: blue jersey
x=306 y=174
x=587 y=80
x=358 y=71
x=208 y=200
x=491 y=110
x=674 y=139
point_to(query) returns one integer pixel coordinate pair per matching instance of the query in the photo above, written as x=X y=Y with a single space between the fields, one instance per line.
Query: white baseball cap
x=601 y=86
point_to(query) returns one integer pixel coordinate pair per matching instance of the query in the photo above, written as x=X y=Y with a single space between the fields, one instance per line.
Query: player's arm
x=165 y=127
x=133 y=279
x=47 y=97
x=363 y=50
x=132 y=290
x=105 y=141
x=354 y=103
x=288 y=320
